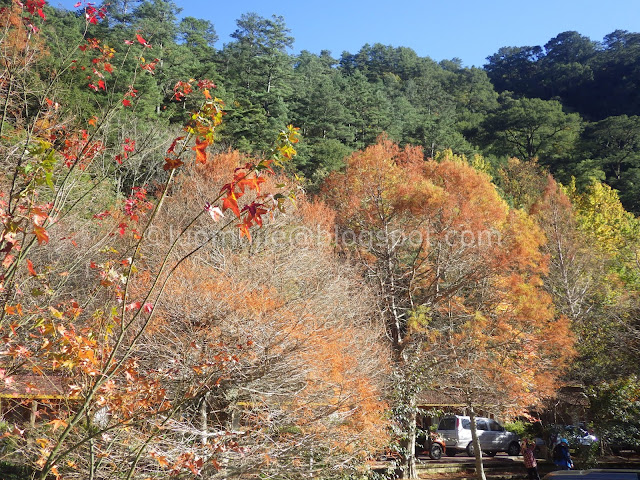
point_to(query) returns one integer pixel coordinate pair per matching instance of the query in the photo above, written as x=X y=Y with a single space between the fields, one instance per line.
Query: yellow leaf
x=42 y=442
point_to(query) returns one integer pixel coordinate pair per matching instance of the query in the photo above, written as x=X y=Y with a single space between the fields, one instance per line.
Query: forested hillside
x=573 y=103
x=244 y=263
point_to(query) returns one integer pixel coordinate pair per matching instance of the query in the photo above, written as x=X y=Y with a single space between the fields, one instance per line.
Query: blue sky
x=441 y=29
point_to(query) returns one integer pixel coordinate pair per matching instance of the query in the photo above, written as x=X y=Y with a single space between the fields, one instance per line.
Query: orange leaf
x=161 y=459
x=200 y=149
x=57 y=423
x=231 y=202
x=244 y=231
x=41 y=234
x=252 y=183
x=13 y=310
x=38 y=216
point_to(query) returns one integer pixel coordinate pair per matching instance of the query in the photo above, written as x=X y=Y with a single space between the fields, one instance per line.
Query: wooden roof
x=33 y=386
x=438 y=398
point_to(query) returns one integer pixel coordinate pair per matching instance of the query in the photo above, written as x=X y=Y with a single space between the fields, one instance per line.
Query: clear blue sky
x=441 y=29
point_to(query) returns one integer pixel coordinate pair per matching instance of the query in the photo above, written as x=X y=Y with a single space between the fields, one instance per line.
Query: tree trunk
x=203 y=419
x=408 y=469
x=476 y=446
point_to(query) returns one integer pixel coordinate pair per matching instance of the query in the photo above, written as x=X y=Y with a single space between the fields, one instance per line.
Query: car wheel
x=490 y=454
x=436 y=451
x=470 y=450
x=513 y=450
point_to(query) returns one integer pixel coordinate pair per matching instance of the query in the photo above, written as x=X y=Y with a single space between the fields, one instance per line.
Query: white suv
x=456 y=432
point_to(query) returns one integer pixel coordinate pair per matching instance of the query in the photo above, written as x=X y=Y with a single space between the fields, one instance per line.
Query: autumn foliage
x=459 y=275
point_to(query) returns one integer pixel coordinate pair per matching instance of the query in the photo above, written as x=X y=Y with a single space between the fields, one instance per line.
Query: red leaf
x=172 y=163
x=102 y=85
x=142 y=41
x=126 y=102
x=173 y=144
x=31 y=269
x=133 y=306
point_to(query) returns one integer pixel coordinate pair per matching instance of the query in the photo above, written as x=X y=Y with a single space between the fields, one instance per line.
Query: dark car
x=596 y=474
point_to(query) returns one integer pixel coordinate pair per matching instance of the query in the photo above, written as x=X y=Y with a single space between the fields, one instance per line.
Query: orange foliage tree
x=459 y=277
x=299 y=393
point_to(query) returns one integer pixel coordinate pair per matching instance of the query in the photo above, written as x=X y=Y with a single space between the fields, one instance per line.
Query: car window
x=448 y=423
x=495 y=426
x=466 y=424
x=482 y=424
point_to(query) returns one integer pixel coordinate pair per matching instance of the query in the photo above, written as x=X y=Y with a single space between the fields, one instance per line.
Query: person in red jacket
x=527 y=448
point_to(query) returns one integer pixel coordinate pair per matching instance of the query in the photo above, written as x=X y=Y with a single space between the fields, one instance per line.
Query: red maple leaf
x=32 y=271
x=172 y=163
x=142 y=40
x=173 y=144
